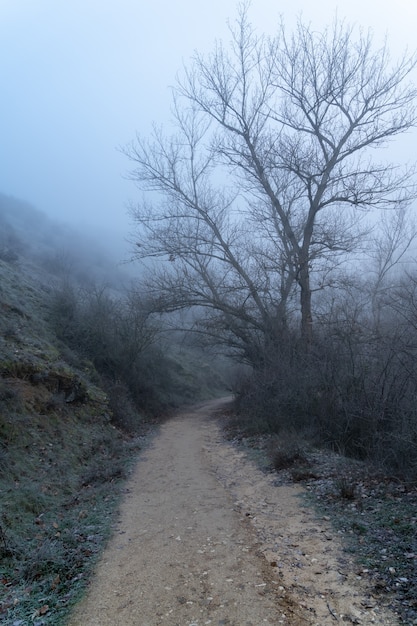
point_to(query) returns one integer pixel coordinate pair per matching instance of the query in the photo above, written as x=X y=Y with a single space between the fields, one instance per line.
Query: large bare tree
x=260 y=190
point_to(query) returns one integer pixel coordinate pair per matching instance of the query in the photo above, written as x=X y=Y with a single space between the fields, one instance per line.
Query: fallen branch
x=332 y=613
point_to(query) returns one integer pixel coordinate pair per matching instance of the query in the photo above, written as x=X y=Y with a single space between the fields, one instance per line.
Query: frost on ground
x=204 y=537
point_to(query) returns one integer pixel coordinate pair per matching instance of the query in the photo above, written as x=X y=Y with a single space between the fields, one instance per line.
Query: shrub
x=346 y=488
x=286 y=450
x=124 y=413
x=355 y=391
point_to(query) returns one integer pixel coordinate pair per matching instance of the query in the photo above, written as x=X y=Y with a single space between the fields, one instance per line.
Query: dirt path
x=206 y=538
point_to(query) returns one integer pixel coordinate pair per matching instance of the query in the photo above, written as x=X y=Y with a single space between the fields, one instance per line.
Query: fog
x=80 y=78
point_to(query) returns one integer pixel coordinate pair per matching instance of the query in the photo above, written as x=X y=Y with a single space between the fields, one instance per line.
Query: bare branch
x=257 y=192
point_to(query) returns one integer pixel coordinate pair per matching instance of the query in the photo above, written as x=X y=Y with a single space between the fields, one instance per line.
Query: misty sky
x=80 y=77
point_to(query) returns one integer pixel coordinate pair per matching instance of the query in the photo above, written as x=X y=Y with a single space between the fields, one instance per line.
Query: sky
x=80 y=78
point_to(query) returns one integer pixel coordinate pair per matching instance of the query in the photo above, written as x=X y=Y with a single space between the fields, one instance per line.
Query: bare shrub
x=346 y=488
x=286 y=450
x=124 y=412
x=355 y=391
x=117 y=337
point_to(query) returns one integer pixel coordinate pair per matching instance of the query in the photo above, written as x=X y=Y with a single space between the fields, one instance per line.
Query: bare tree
x=215 y=259
x=258 y=192
x=390 y=254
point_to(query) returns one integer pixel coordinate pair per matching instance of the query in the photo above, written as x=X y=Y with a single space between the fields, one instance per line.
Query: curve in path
x=190 y=549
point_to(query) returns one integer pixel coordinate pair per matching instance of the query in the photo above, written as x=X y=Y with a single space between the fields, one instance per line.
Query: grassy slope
x=61 y=460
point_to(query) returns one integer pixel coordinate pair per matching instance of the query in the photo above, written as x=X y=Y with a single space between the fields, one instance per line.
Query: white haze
x=80 y=78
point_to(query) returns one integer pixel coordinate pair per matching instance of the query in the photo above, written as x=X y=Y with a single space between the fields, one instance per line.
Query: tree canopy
x=257 y=195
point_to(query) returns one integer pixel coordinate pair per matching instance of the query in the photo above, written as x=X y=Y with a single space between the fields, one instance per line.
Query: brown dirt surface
x=205 y=537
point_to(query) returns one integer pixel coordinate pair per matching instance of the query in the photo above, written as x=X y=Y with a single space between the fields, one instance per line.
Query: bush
x=355 y=389
x=118 y=338
x=124 y=413
x=286 y=451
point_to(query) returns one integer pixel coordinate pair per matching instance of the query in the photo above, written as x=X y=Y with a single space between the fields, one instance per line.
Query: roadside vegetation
x=373 y=513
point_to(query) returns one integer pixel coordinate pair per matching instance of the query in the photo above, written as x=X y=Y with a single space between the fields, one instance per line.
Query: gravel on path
x=205 y=537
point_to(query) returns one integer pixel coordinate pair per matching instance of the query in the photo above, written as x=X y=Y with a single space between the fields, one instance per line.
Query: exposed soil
x=205 y=537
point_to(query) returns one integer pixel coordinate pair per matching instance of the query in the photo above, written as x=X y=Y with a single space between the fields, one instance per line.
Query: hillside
x=60 y=456
x=63 y=455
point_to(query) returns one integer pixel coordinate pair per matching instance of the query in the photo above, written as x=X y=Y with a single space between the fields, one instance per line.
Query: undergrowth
x=377 y=518
x=374 y=515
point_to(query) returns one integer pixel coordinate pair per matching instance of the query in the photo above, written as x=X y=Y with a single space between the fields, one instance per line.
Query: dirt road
x=206 y=538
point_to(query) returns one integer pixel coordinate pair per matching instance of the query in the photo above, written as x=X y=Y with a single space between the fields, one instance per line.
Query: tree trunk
x=305 y=305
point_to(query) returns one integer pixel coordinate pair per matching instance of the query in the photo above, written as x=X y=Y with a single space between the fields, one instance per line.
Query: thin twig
x=332 y=613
